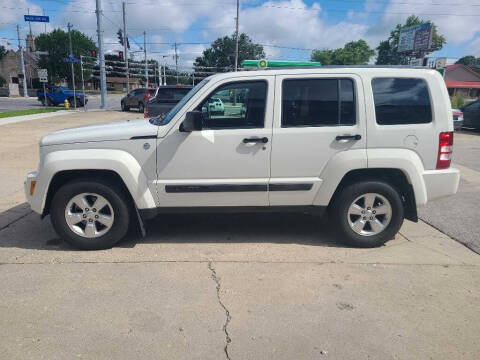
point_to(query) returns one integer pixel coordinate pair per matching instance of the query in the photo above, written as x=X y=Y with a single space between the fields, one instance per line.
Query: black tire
x=50 y=102
x=140 y=107
x=115 y=196
x=345 y=198
x=80 y=102
x=124 y=108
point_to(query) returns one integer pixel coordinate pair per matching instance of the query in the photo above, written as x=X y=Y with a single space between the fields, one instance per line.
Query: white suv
x=368 y=144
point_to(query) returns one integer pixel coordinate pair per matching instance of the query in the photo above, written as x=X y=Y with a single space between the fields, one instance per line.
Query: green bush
x=457 y=102
x=2 y=81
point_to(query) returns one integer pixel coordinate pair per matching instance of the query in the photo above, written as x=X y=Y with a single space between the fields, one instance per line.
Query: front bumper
x=441 y=183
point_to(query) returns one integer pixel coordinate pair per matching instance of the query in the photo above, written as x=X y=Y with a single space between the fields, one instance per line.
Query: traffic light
x=120 y=54
x=94 y=53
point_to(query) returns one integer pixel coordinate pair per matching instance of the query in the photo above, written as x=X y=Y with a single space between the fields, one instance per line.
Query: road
x=459 y=216
x=94 y=102
x=249 y=286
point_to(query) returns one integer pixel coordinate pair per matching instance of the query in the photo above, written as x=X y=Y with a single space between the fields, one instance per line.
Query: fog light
x=32 y=187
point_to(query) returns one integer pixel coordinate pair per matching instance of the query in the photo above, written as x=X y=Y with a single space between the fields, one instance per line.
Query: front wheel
x=90 y=215
x=368 y=213
x=140 y=107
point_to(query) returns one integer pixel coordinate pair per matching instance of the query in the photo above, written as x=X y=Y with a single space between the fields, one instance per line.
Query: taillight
x=445 y=150
x=145 y=112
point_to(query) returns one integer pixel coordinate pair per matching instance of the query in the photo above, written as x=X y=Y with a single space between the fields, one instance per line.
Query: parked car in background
x=137 y=99
x=165 y=98
x=471 y=114
x=214 y=106
x=56 y=95
x=457 y=119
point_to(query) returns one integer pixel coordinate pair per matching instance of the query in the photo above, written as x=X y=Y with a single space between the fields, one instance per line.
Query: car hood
x=116 y=130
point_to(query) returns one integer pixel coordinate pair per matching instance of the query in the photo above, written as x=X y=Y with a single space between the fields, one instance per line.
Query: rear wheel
x=368 y=213
x=90 y=215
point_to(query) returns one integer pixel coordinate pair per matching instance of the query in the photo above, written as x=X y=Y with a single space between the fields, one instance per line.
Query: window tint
x=235 y=105
x=165 y=94
x=179 y=93
x=474 y=106
x=318 y=102
x=401 y=101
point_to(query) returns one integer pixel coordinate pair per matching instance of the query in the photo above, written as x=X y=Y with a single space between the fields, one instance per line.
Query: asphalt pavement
x=458 y=216
x=94 y=102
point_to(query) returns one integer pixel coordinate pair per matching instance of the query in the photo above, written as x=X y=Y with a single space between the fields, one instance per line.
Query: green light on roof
x=277 y=63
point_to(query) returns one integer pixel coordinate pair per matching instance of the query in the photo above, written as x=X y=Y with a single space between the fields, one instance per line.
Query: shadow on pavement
x=21 y=228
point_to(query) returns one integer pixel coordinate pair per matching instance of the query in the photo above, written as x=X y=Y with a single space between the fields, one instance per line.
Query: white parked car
x=214 y=106
x=367 y=144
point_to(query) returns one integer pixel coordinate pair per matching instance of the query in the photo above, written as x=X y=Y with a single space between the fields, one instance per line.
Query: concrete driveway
x=225 y=286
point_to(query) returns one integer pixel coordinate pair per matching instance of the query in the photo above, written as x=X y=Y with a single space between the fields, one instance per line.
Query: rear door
x=316 y=117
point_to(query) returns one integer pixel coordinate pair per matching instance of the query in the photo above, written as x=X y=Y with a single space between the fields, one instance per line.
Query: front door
x=228 y=162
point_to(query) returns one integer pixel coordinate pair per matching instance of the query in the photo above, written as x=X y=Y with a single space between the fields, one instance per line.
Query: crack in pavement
x=228 y=340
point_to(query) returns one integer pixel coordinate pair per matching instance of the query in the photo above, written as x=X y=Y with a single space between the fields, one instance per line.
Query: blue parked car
x=58 y=94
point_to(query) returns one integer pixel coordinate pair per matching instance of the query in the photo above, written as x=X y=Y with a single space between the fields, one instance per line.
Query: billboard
x=415 y=38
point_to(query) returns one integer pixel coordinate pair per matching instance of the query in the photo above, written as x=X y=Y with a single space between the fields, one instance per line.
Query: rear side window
x=318 y=102
x=400 y=101
x=179 y=93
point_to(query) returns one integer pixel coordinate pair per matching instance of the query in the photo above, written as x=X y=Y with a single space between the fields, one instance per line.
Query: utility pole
x=83 y=85
x=69 y=26
x=165 y=74
x=236 y=35
x=125 y=44
x=101 y=57
x=45 y=31
x=145 y=53
x=29 y=23
x=176 y=61
x=25 y=93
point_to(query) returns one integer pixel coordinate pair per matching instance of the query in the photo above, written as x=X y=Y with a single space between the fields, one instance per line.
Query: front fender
x=121 y=162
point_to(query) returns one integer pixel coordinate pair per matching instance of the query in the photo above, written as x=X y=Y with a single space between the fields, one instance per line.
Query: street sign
x=42 y=75
x=415 y=38
x=36 y=18
x=71 y=58
x=41 y=53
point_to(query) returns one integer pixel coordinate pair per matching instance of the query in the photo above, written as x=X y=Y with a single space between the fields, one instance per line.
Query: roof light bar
x=262 y=64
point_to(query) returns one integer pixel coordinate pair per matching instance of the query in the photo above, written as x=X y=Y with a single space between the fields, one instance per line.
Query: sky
x=288 y=29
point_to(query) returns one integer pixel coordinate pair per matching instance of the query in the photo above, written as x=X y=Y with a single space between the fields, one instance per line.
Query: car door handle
x=263 y=140
x=348 y=137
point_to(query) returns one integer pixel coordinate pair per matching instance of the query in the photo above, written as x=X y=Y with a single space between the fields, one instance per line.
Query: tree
x=353 y=53
x=387 y=49
x=468 y=60
x=221 y=54
x=56 y=43
x=120 y=38
x=3 y=51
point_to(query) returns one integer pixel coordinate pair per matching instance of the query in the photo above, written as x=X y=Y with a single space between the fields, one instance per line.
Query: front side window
x=318 y=102
x=401 y=101
x=236 y=105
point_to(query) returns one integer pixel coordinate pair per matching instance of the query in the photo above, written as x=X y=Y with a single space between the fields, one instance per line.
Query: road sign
x=36 y=18
x=41 y=53
x=415 y=38
x=42 y=75
x=71 y=58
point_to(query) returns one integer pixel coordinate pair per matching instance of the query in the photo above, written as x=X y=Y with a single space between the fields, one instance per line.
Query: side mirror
x=193 y=122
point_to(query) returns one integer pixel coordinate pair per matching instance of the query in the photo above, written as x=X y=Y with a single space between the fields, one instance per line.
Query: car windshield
x=164 y=120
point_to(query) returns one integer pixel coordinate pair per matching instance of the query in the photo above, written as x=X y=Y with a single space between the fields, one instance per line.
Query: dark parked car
x=165 y=99
x=137 y=99
x=471 y=114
